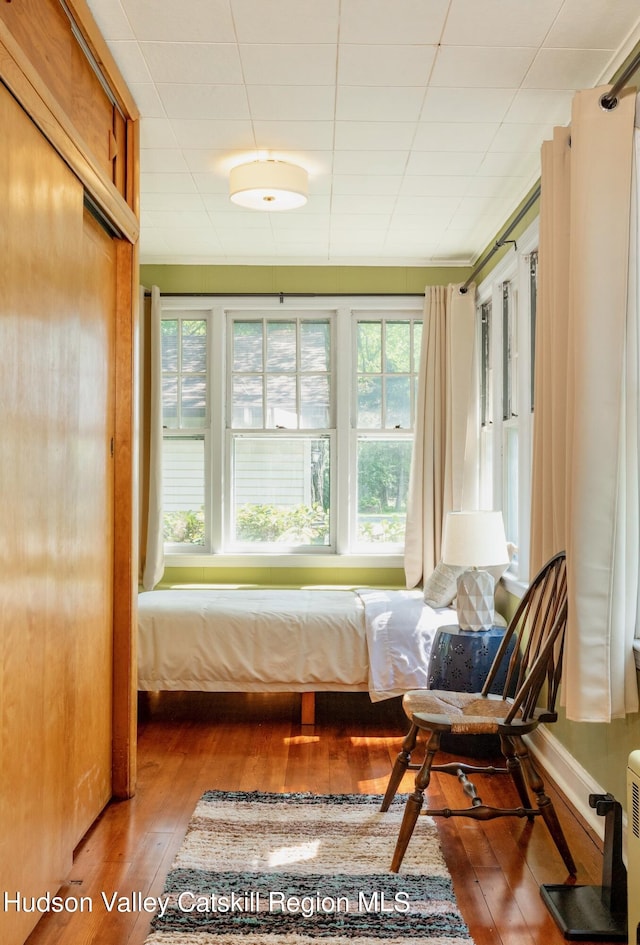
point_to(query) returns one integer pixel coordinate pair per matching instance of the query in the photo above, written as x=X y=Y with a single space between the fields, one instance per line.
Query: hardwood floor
x=189 y=743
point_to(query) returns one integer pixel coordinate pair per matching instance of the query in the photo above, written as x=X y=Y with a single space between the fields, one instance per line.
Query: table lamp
x=475 y=541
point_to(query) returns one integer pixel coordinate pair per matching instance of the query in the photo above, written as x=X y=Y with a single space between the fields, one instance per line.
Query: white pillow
x=441 y=586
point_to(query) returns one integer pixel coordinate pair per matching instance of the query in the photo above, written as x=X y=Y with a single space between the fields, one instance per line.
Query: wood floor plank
x=193 y=742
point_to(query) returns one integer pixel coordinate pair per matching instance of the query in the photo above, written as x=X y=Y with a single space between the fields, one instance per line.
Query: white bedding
x=306 y=640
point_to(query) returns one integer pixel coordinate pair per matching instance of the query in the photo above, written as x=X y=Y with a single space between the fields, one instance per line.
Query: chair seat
x=460 y=713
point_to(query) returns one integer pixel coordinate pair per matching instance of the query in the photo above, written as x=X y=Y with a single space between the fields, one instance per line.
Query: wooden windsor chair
x=533 y=676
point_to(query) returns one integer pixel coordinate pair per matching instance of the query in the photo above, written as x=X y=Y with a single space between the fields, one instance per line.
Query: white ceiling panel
x=419 y=121
x=164 y=22
x=167 y=183
x=454 y=136
x=353 y=103
x=287 y=21
x=500 y=67
x=204 y=101
x=540 y=106
x=403 y=21
x=477 y=104
x=500 y=22
x=297 y=102
x=590 y=24
x=193 y=63
x=567 y=68
x=371 y=135
x=287 y=65
x=385 y=65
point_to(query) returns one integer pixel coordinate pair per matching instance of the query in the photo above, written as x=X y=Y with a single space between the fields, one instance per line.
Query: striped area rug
x=305 y=869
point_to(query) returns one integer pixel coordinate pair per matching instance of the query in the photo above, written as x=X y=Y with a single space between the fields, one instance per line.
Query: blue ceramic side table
x=461 y=659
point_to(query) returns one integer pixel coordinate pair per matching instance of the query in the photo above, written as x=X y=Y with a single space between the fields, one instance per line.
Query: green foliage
x=383 y=476
x=382 y=530
x=185 y=527
x=290 y=525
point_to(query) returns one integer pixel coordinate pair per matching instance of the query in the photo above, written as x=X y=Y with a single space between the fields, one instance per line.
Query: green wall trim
x=284 y=577
x=323 y=280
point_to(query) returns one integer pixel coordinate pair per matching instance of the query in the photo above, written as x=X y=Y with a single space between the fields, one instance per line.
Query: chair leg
x=414 y=803
x=515 y=770
x=545 y=806
x=400 y=766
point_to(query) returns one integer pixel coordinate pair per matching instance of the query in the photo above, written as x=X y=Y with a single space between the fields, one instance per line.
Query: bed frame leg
x=308 y=708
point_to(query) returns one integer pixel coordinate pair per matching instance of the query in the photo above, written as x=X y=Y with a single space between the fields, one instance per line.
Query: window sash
x=343 y=318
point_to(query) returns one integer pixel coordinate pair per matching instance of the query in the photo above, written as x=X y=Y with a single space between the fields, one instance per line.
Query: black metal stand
x=597 y=913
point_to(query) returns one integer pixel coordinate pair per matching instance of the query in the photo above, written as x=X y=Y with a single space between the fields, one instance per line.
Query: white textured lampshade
x=269 y=185
x=474 y=539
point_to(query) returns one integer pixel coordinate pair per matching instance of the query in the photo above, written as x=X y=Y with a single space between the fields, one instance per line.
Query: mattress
x=252 y=640
x=275 y=640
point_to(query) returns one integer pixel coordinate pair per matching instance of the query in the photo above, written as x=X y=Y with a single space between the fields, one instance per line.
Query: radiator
x=633 y=847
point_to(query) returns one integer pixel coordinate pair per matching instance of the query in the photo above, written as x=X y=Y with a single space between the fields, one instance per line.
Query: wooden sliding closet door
x=57 y=291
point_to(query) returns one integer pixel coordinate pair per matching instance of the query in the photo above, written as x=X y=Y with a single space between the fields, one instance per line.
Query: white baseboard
x=573 y=780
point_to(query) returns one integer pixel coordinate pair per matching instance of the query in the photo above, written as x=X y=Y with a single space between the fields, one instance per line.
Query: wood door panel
x=43 y=31
x=56 y=515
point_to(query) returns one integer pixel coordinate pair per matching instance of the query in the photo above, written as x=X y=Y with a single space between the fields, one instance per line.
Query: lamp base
x=475 y=600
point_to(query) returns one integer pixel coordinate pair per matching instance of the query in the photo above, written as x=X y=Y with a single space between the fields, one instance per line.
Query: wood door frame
x=20 y=75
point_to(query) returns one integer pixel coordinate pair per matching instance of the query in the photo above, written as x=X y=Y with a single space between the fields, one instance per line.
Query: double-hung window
x=281 y=432
x=288 y=429
x=185 y=421
x=387 y=353
x=506 y=332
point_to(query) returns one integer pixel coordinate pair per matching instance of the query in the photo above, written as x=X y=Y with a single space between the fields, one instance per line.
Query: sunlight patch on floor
x=298 y=854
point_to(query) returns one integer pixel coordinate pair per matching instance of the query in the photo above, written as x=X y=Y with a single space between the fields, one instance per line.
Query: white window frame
x=513 y=268
x=345 y=311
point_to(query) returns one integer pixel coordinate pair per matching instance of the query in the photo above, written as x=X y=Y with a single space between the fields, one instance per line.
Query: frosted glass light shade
x=269 y=185
x=474 y=540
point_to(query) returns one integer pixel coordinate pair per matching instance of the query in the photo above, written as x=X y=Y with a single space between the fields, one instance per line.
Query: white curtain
x=586 y=470
x=153 y=550
x=443 y=464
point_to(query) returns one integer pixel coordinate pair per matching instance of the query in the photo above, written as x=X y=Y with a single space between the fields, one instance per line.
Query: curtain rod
x=289 y=295
x=608 y=101
x=499 y=243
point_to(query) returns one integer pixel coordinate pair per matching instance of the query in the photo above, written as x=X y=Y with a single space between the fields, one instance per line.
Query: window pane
x=397 y=348
x=281 y=401
x=509 y=354
x=247 y=346
x=417 y=345
x=281 y=490
x=369 y=347
x=169 y=332
x=486 y=375
x=370 y=403
x=170 y=401
x=194 y=401
x=398 y=412
x=314 y=346
x=183 y=484
x=383 y=481
x=314 y=402
x=194 y=346
x=296 y=381
x=247 y=402
x=281 y=346
x=184 y=372
x=510 y=483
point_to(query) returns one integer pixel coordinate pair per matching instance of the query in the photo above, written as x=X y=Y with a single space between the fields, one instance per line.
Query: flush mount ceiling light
x=268 y=185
